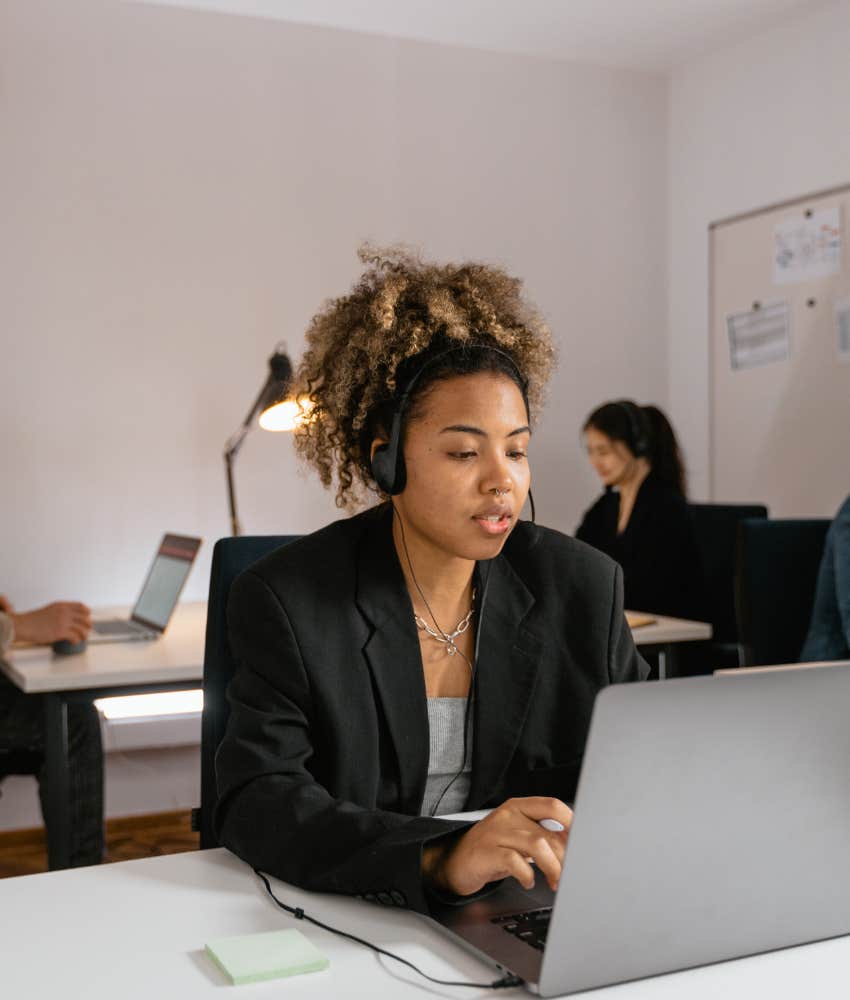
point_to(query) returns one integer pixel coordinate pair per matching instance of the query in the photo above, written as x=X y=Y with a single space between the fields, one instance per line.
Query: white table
x=174 y=661
x=137 y=930
x=177 y=655
x=666 y=632
x=806 y=665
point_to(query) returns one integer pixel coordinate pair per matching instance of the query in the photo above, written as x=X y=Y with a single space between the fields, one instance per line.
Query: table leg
x=57 y=798
x=667 y=659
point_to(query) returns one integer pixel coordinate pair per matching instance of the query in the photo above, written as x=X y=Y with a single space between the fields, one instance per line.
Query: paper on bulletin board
x=807 y=247
x=759 y=337
x=842 y=329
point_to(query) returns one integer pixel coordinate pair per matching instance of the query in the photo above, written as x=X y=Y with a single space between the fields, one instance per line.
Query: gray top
x=445 y=725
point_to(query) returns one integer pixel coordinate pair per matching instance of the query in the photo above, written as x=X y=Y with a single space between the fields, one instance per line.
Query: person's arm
x=841 y=563
x=272 y=812
x=60 y=620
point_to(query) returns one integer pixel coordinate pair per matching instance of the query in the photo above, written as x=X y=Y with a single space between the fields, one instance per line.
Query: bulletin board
x=779 y=356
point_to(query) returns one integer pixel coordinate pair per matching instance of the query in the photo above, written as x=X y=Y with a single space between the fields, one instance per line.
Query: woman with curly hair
x=434 y=653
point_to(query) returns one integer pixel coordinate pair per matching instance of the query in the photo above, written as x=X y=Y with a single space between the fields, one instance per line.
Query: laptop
x=712 y=821
x=158 y=599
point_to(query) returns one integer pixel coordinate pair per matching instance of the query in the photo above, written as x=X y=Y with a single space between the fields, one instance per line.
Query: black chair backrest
x=230 y=557
x=778 y=564
x=716 y=527
x=20 y=762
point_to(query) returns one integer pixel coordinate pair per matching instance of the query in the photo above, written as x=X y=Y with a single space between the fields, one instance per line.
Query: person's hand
x=6 y=605
x=60 y=620
x=502 y=844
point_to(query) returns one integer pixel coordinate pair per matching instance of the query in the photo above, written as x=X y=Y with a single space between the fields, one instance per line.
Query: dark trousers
x=22 y=728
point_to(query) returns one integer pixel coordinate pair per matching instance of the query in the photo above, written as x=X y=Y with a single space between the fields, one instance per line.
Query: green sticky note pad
x=252 y=958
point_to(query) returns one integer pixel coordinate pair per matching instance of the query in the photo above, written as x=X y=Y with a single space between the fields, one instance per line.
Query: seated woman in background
x=22 y=724
x=829 y=630
x=642 y=519
x=433 y=653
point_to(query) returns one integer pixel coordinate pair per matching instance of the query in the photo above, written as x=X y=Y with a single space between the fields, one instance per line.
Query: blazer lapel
x=392 y=652
x=505 y=677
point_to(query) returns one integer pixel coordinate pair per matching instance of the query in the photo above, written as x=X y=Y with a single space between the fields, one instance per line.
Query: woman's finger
x=513 y=864
x=537 y=807
x=538 y=848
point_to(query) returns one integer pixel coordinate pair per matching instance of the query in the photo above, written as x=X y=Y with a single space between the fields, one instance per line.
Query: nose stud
x=497 y=491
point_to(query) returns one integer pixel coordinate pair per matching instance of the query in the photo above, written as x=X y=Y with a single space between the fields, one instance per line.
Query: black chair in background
x=230 y=557
x=717 y=528
x=778 y=565
x=26 y=762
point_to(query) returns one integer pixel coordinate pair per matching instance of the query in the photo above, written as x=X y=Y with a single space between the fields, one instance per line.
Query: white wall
x=759 y=122
x=180 y=190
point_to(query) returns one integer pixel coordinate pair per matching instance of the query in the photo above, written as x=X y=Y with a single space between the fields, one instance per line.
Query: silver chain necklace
x=448 y=638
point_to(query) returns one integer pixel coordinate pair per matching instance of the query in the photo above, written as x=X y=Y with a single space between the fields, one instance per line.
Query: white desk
x=665 y=630
x=174 y=661
x=666 y=633
x=137 y=929
x=178 y=655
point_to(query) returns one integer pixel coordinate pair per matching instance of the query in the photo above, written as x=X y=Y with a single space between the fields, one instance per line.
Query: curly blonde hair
x=360 y=346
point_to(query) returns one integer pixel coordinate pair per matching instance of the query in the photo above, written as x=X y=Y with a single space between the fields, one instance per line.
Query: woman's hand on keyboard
x=503 y=844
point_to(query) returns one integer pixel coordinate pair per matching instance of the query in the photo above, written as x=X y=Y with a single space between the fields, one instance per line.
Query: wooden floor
x=23 y=852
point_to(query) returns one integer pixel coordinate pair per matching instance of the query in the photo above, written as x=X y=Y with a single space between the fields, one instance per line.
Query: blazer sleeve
x=271 y=811
x=624 y=662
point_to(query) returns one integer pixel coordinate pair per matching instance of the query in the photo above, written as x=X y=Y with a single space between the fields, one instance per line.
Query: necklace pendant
x=451 y=648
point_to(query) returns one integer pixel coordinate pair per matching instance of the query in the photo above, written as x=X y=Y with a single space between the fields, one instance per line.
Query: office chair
x=27 y=762
x=230 y=557
x=717 y=528
x=777 y=573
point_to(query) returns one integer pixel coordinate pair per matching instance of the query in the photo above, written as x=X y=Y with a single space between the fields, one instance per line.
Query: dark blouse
x=662 y=570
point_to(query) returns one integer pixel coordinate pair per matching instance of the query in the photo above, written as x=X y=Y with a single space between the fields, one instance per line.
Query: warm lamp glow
x=285 y=416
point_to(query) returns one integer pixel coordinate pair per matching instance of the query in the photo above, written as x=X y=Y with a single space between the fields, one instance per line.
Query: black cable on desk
x=506 y=982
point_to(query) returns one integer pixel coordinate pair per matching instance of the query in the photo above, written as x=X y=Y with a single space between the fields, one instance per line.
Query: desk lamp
x=277 y=412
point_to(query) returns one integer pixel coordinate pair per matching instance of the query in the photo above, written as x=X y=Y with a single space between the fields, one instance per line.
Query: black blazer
x=662 y=569
x=322 y=770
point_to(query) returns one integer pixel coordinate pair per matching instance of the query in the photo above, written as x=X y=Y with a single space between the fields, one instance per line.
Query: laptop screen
x=165 y=580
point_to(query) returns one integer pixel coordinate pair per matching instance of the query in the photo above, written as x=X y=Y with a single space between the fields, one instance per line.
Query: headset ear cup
x=383 y=469
x=388 y=469
x=637 y=425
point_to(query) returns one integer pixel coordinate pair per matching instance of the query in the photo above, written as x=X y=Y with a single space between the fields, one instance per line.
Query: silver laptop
x=712 y=821
x=158 y=599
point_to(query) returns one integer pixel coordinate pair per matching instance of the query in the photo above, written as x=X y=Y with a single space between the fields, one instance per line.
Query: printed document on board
x=760 y=336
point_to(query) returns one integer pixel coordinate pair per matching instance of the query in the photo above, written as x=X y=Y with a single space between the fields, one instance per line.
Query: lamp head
x=277 y=410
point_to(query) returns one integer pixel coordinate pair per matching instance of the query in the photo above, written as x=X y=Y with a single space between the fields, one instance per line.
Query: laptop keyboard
x=114 y=626
x=531 y=926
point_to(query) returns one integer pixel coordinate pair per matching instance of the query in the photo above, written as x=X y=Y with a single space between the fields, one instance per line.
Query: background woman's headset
x=638 y=427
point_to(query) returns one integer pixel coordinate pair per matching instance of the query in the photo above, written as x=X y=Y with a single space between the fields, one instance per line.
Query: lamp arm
x=231 y=449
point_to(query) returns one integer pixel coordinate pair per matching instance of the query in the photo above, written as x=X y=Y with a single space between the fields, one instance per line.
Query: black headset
x=388 y=468
x=638 y=430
